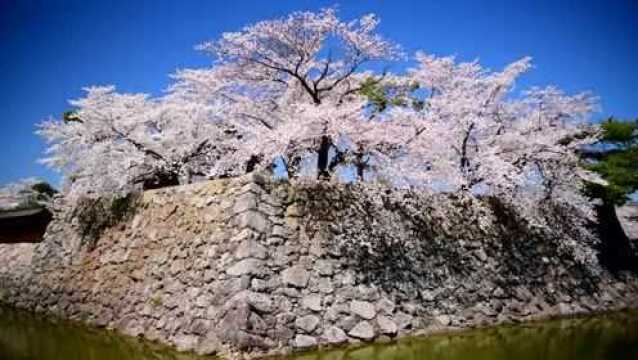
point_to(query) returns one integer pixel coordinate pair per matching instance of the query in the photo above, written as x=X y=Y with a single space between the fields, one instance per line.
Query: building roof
x=25 y=225
x=7 y=214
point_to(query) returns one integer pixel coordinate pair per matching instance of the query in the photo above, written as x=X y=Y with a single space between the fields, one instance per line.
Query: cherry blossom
x=297 y=94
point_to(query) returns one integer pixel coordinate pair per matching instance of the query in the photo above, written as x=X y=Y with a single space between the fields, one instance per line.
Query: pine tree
x=615 y=158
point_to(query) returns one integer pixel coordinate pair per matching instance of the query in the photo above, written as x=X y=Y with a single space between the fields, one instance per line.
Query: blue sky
x=50 y=49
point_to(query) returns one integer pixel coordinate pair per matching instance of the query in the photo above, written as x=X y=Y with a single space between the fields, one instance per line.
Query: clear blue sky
x=50 y=49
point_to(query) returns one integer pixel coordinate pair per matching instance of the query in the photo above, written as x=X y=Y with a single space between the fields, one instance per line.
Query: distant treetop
x=26 y=194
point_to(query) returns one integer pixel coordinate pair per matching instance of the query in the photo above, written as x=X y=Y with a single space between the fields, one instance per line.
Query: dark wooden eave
x=23 y=226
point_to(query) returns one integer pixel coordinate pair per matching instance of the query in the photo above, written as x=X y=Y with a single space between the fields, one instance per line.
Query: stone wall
x=253 y=267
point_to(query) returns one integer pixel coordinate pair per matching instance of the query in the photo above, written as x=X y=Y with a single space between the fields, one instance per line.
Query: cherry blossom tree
x=299 y=89
x=114 y=142
x=472 y=130
x=295 y=70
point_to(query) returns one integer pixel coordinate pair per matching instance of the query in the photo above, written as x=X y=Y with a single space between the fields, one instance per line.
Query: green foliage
x=96 y=215
x=44 y=188
x=375 y=94
x=70 y=116
x=34 y=196
x=620 y=170
x=618 y=164
x=615 y=131
x=121 y=207
x=383 y=94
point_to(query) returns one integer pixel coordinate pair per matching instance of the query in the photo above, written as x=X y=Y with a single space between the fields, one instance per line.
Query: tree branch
x=137 y=145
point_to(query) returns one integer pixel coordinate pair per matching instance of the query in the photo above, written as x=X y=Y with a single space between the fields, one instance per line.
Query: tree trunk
x=323 y=156
x=292 y=166
x=465 y=161
x=360 y=165
x=252 y=163
x=161 y=180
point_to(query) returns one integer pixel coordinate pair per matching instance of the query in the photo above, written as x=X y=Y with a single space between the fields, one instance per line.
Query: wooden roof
x=25 y=225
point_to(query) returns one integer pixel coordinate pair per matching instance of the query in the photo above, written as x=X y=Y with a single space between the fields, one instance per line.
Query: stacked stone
x=294 y=293
x=254 y=266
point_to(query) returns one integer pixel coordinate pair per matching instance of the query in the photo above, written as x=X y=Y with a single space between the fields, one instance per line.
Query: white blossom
x=289 y=91
x=114 y=142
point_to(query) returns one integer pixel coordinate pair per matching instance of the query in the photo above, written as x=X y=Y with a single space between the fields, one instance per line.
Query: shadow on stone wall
x=450 y=245
x=615 y=250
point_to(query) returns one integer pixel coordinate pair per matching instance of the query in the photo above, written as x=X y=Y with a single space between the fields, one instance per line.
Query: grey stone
x=282 y=334
x=253 y=220
x=270 y=210
x=245 y=234
x=481 y=255
x=234 y=320
x=324 y=267
x=428 y=295
x=312 y=302
x=331 y=314
x=279 y=258
x=200 y=326
x=256 y=324
x=317 y=246
x=295 y=276
x=409 y=308
x=259 y=285
x=245 y=202
x=246 y=266
x=347 y=322
x=499 y=293
x=325 y=285
x=208 y=345
x=363 y=331
x=403 y=320
x=363 y=309
x=328 y=300
x=485 y=309
x=307 y=323
x=564 y=309
x=348 y=278
x=249 y=342
x=305 y=341
x=523 y=294
x=250 y=248
x=334 y=335
x=386 y=326
x=259 y=302
x=177 y=267
x=335 y=251
x=385 y=306
x=278 y=231
x=253 y=186
x=367 y=293
x=284 y=318
x=130 y=325
x=443 y=320
x=185 y=342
